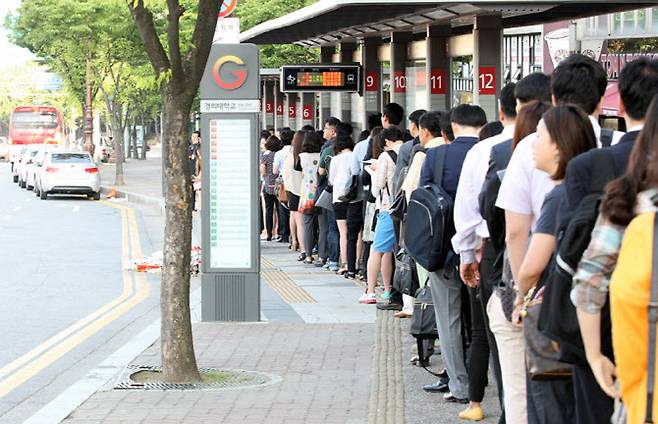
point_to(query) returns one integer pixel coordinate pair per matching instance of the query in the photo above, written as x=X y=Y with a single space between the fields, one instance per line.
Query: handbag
x=370 y=215
x=405 y=278
x=325 y=201
x=423 y=321
x=353 y=190
x=398 y=208
x=542 y=354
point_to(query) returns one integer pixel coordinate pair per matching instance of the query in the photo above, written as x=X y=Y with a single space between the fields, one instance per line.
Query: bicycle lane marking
x=50 y=351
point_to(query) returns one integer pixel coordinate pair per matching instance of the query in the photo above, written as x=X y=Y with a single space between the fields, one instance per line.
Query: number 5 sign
x=487 y=79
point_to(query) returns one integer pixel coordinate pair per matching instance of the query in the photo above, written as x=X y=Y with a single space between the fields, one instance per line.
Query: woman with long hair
x=340 y=177
x=307 y=163
x=563 y=133
x=292 y=180
x=272 y=145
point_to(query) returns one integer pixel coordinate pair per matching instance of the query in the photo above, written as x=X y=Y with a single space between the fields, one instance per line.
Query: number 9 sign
x=371 y=81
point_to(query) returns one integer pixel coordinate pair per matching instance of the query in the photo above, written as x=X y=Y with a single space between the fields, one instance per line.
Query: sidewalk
x=333 y=359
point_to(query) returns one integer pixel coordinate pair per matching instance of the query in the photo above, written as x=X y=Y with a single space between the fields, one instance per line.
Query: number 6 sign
x=307 y=112
x=487 y=79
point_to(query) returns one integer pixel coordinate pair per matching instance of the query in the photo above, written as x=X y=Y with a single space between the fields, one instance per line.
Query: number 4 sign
x=487 y=79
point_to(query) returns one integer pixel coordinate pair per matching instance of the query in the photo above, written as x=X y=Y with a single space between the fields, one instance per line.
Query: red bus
x=35 y=125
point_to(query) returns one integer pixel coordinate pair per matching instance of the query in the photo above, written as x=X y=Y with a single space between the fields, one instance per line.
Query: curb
x=140 y=199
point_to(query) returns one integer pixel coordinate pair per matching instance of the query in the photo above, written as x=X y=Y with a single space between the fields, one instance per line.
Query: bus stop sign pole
x=230 y=107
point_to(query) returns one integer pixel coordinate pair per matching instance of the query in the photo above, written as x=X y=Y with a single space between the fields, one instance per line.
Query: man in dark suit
x=638 y=84
x=446 y=292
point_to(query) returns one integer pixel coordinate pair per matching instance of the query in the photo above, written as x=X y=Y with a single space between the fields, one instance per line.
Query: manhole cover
x=223 y=379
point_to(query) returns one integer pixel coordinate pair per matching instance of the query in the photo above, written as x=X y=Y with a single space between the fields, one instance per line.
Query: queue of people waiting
x=534 y=238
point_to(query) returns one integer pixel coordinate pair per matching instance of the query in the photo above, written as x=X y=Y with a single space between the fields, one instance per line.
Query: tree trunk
x=178 y=359
x=118 y=144
x=143 y=155
x=133 y=132
x=130 y=143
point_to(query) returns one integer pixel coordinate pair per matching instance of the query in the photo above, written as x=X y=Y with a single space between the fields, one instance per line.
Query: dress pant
x=551 y=402
x=593 y=406
x=322 y=236
x=354 y=226
x=284 y=222
x=489 y=278
x=333 y=238
x=511 y=349
x=310 y=232
x=478 y=359
x=447 y=299
x=271 y=205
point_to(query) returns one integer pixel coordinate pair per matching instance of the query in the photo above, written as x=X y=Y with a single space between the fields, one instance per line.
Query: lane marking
x=102 y=319
x=76 y=208
x=17 y=208
x=126 y=293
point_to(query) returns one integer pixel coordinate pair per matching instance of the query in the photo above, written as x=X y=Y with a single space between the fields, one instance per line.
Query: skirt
x=384 y=234
x=293 y=201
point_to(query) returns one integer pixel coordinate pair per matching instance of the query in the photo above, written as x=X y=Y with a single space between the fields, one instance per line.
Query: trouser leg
x=551 y=402
x=270 y=203
x=478 y=362
x=322 y=234
x=310 y=222
x=354 y=225
x=592 y=404
x=511 y=349
x=284 y=222
x=446 y=295
x=333 y=238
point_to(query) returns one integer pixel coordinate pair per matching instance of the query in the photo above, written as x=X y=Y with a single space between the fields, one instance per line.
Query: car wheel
x=21 y=183
x=29 y=187
x=15 y=178
x=36 y=191
x=43 y=195
x=97 y=196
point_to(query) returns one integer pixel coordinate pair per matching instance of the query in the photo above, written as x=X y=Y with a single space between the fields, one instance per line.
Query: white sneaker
x=368 y=298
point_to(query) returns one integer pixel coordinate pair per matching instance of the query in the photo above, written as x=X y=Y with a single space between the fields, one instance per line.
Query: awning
x=610 y=106
x=330 y=21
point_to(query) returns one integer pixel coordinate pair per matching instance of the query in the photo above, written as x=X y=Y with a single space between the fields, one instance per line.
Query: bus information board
x=313 y=78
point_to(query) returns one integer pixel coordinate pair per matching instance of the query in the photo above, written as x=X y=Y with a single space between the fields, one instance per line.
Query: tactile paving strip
x=281 y=283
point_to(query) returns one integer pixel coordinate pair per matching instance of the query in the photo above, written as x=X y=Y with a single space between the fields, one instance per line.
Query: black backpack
x=558 y=319
x=429 y=221
x=493 y=215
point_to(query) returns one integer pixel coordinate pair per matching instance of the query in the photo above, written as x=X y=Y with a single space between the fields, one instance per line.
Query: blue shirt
x=359 y=154
x=452 y=166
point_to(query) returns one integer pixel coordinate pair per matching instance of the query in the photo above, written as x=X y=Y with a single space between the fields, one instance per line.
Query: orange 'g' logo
x=241 y=76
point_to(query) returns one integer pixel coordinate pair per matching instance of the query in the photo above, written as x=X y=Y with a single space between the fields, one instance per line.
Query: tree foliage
x=254 y=12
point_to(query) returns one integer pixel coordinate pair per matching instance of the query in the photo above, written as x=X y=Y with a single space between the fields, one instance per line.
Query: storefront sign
x=487 y=80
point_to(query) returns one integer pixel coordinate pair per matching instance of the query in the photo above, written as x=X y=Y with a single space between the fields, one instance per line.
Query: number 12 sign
x=487 y=79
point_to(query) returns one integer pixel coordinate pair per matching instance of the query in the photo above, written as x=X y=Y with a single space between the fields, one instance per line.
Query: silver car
x=65 y=172
x=15 y=154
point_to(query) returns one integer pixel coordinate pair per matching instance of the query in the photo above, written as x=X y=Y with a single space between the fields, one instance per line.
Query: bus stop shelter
x=385 y=36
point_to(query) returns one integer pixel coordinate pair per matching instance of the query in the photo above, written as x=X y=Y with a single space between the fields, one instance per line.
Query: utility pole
x=89 y=112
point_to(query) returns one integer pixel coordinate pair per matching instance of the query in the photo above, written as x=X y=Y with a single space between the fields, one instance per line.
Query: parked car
x=67 y=172
x=15 y=154
x=32 y=169
x=26 y=159
x=4 y=148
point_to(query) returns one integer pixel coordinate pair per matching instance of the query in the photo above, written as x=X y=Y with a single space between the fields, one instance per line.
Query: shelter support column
x=291 y=111
x=487 y=63
x=372 y=78
x=346 y=57
x=399 y=45
x=437 y=72
x=326 y=56
x=278 y=107
x=268 y=105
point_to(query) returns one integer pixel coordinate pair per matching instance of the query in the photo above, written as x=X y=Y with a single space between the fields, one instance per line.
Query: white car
x=4 y=148
x=67 y=172
x=26 y=159
x=15 y=154
x=32 y=168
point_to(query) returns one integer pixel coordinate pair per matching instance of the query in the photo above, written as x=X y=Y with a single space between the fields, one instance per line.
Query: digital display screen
x=345 y=78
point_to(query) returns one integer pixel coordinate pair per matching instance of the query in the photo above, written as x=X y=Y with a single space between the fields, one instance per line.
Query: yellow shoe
x=472 y=413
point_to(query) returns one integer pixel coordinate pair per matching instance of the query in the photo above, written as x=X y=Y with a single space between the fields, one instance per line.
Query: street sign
x=227 y=31
x=314 y=78
x=230 y=110
x=227 y=7
x=487 y=80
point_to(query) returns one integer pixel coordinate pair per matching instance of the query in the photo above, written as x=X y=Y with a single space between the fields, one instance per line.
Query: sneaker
x=368 y=298
x=320 y=262
x=333 y=266
x=386 y=295
x=449 y=397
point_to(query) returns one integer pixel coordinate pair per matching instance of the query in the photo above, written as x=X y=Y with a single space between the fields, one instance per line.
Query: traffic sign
x=227 y=7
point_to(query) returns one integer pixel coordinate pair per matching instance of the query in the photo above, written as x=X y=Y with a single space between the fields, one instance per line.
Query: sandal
x=308 y=260
x=301 y=257
x=342 y=270
x=294 y=246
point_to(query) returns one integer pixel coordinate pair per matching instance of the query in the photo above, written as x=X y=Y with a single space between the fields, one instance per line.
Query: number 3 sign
x=487 y=79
